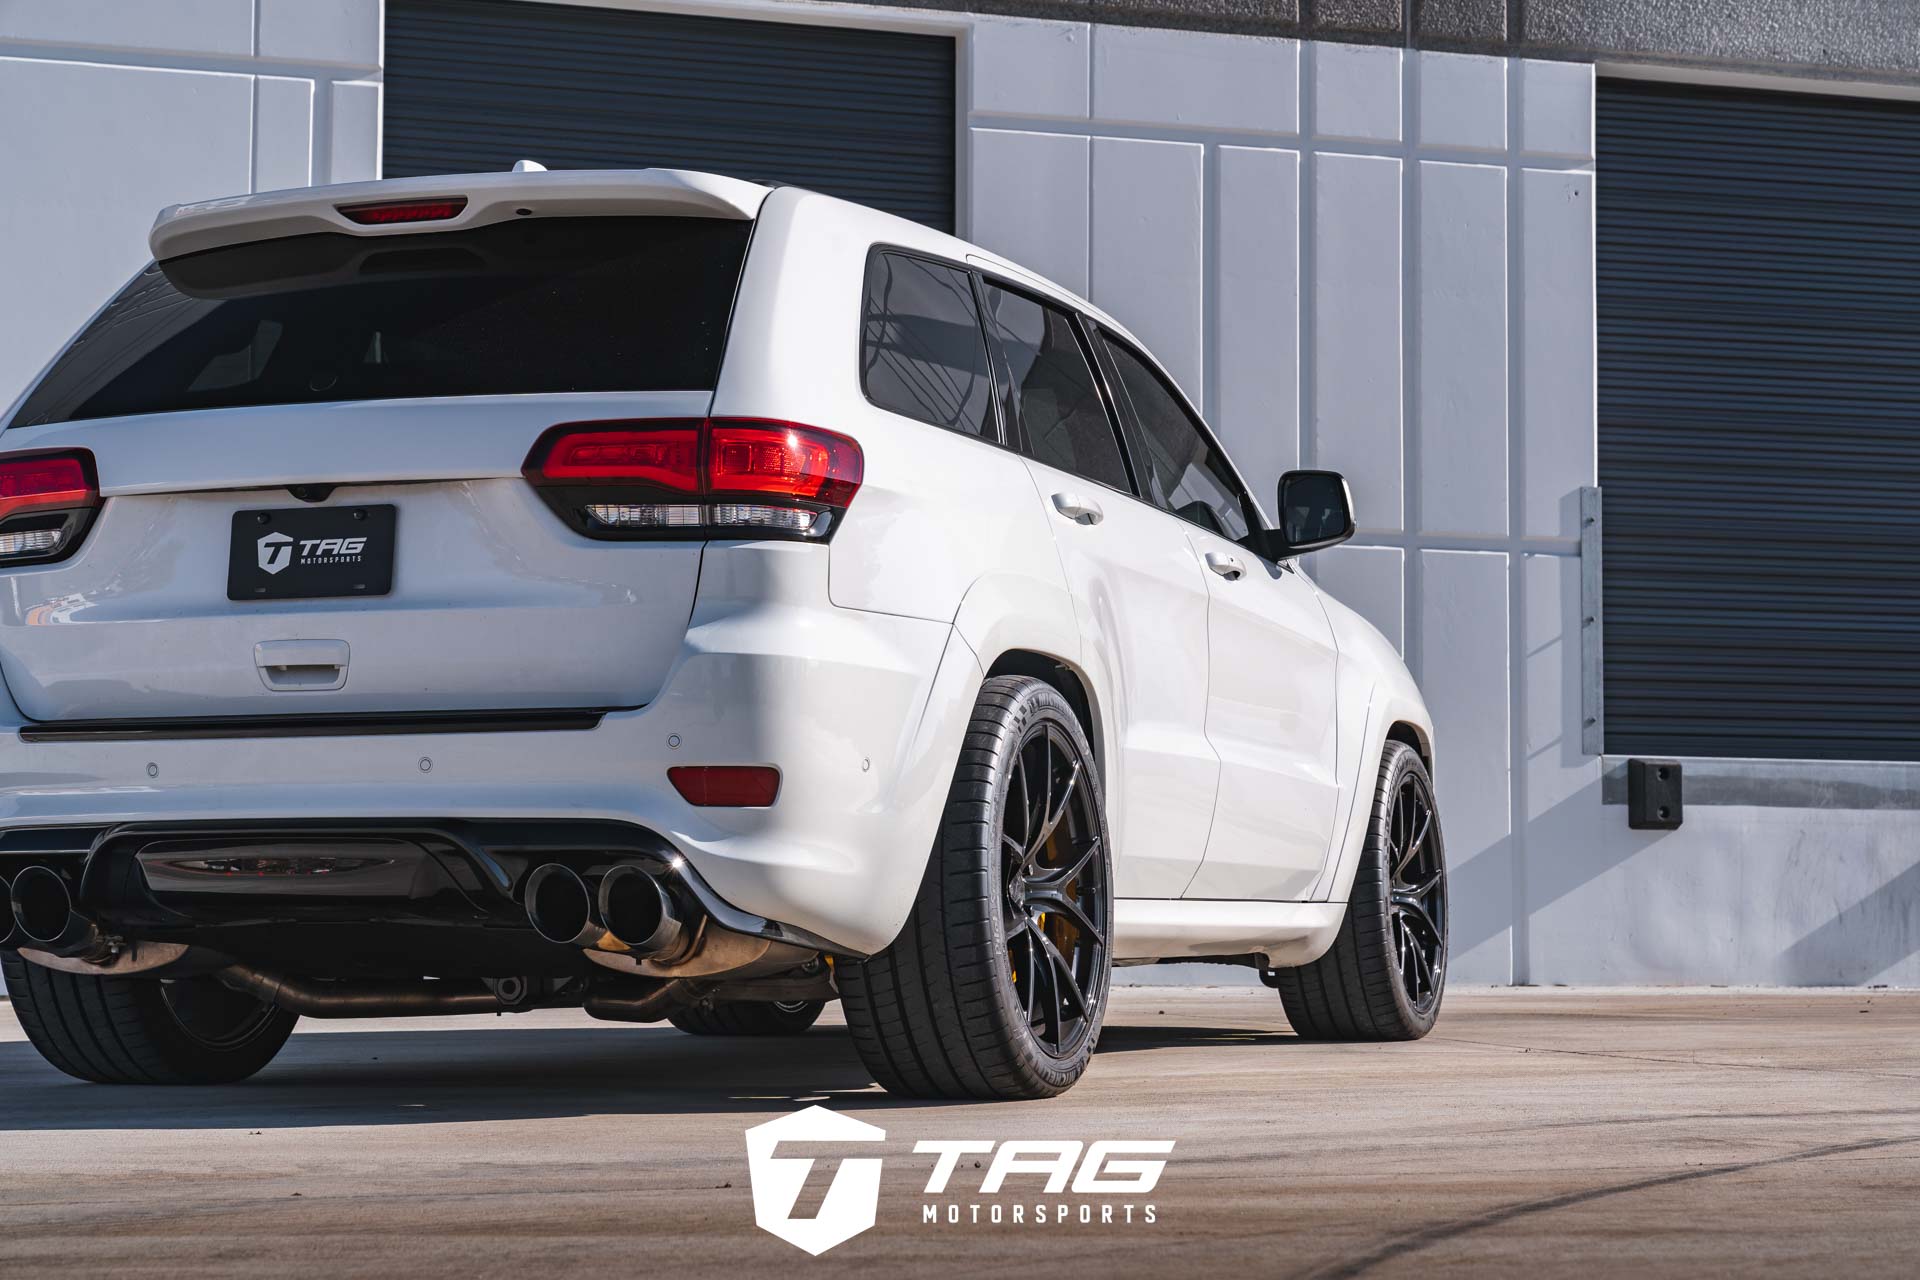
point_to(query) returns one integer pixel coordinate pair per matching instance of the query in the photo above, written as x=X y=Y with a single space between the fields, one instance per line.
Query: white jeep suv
x=675 y=597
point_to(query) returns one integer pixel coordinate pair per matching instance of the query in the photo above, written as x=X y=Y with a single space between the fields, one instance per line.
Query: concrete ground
x=1536 y=1131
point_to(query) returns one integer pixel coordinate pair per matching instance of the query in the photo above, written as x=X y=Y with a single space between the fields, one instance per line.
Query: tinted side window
x=1180 y=471
x=1053 y=393
x=921 y=350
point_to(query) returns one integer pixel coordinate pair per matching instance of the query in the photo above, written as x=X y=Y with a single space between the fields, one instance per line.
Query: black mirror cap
x=1315 y=512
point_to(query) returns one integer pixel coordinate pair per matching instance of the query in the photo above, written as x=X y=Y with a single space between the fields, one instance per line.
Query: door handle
x=1225 y=565
x=302 y=664
x=1079 y=509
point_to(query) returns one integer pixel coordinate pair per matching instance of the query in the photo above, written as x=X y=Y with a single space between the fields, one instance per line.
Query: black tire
x=944 y=1012
x=1385 y=974
x=747 y=1017
x=143 y=1031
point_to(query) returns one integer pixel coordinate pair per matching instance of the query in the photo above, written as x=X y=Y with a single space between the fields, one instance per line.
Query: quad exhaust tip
x=631 y=912
x=42 y=912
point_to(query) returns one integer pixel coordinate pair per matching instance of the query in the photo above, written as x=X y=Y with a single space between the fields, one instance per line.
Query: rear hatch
x=309 y=456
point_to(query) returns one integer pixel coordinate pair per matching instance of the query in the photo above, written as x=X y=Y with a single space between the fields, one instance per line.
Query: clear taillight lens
x=748 y=477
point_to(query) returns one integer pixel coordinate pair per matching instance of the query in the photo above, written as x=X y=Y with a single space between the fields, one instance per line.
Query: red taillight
x=746 y=456
x=44 y=483
x=46 y=504
x=385 y=214
x=759 y=477
x=734 y=786
x=664 y=455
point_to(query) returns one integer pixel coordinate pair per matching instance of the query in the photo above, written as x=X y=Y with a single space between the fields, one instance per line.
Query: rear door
x=1270 y=681
x=1139 y=594
x=310 y=453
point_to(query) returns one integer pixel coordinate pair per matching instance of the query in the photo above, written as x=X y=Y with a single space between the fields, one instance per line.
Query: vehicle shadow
x=402 y=1077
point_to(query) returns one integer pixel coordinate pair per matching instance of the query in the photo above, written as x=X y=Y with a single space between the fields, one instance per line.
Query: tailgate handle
x=302 y=664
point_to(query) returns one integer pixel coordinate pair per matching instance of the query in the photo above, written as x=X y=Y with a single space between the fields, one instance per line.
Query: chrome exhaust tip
x=43 y=914
x=560 y=907
x=637 y=911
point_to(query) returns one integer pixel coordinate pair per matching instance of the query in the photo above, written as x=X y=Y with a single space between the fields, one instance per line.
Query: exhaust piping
x=43 y=915
x=362 y=999
x=631 y=914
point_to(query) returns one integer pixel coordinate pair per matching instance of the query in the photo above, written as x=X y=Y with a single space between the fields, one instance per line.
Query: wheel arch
x=1067 y=681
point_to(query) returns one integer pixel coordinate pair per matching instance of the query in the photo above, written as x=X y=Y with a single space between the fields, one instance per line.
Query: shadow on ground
x=373 y=1077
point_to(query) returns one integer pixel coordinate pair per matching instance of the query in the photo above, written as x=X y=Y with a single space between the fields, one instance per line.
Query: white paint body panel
x=852 y=667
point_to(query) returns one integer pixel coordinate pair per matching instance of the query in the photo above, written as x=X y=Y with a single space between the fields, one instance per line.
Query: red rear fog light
x=734 y=786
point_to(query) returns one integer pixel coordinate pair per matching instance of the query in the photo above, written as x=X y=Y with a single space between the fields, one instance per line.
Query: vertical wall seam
x=1517 y=792
x=1209 y=283
x=1412 y=510
x=1307 y=309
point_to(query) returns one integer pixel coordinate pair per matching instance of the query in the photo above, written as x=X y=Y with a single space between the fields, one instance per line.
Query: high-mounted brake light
x=46 y=503
x=384 y=214
x=761 y=478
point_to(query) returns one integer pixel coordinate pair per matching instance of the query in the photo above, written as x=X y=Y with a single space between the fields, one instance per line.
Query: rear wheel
x=1387 y=969
x=144 y=1031
x=997 y=985
x=748 y=1017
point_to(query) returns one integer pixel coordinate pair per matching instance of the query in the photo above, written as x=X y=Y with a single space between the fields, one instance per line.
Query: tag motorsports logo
x=1109 y=1174
x=276 y=551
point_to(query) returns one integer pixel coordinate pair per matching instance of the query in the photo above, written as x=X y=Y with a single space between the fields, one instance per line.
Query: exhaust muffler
x=631 y=914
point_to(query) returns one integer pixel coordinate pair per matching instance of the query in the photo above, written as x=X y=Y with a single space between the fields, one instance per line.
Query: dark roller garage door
x=474 y=85
x=1759 y=324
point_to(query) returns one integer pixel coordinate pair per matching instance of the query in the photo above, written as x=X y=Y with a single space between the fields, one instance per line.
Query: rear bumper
x=862 y=713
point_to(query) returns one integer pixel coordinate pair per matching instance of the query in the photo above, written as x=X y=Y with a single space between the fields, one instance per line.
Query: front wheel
x=142 y=1030
x=1387 y=969
x=997 y=985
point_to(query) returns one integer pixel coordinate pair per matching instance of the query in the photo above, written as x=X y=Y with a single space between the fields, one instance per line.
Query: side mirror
x=1315 y=512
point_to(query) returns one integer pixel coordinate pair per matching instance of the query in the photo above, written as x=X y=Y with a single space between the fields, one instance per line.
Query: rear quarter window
x=922 y=354
x=533 y=306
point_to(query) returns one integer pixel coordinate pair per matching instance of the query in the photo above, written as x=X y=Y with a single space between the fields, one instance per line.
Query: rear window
x=564 y=304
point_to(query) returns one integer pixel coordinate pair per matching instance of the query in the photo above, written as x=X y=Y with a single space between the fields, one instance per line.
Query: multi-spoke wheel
x=144 y=1031
x=1387 y=969
x=1056 y=897
x=997 y=985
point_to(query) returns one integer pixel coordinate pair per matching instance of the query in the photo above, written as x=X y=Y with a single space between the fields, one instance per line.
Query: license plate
x=303 y=553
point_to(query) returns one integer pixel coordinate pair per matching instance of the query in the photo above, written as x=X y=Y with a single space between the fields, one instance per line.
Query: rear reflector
x=726 y=785
x=405 y=211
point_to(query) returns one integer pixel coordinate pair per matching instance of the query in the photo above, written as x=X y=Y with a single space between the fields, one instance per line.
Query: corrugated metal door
x=473 y=85
x=1759 y=327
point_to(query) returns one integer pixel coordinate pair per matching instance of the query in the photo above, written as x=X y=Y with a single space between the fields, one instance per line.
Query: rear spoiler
x=450 y=204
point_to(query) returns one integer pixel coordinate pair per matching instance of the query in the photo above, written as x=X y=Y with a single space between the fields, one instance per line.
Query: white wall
x=111 y=109
x=1337 y=250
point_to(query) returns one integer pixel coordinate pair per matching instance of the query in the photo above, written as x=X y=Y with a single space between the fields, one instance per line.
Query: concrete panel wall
x=1378 y=261
x=113 y=110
